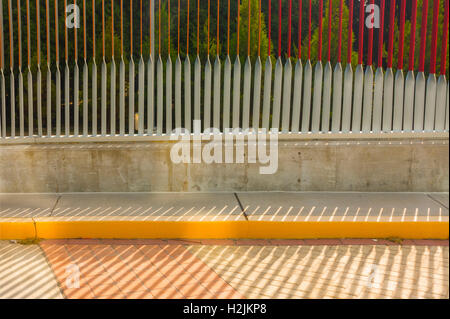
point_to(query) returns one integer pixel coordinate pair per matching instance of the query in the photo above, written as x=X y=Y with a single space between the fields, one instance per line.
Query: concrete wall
x=325 y=165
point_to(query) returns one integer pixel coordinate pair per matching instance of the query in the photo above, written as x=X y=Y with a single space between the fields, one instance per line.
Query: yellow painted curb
x=17 y=228
x=58 y=228
x=141 y=229
x=348 y=229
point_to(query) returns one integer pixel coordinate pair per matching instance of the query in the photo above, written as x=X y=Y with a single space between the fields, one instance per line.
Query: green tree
x=243 y=32
x=407 y=36
x=334 y=37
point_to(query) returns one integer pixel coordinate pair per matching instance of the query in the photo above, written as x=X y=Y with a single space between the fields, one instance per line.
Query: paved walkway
x=255 y=205
x=338 y=268
x=25 y=273
x=174 y=269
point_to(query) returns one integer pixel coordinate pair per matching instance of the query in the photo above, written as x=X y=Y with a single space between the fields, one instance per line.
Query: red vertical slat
x=434 y=34
x=217 y=31
x=309 y=31
x=38 y=37
x=391 y=34
x=445 y=39
x=401 y=37
x=249 y=28
x=131 y=27
x=330 y=8
x=47 y=29
x=269 y=27
x=289 y=28
x=178 y=29
x=370 y=42
x=238 y=21
x=112 y=28
x=319 y=55
x=103 y=29
x=228 y=27
x=412 y=42
x=279 y=28
x=350 y=33
x=75 y=38
x=299 y=29
x=187 y=30
x=340 y=32
x=150 y=26
x=361 y=33
x=423 y=36
x=66 y=43
x=380 y=35
x=168 y=27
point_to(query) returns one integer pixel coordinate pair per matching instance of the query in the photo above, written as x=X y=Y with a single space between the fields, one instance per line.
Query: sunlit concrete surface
x=331 y=271
x=25 y=273
x=237 y=269
x=147 y=204
x=254 y=204
x=343 y=204
x=134 y=269
x=27 y=205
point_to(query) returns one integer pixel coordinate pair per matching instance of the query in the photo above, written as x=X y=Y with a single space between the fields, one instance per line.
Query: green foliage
x=407 y=36
x=243 y=32
x=334 y=37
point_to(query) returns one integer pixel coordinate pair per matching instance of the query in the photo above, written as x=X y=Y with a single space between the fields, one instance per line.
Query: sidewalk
x=225 y=215
x=311 y=264
x=224 y=269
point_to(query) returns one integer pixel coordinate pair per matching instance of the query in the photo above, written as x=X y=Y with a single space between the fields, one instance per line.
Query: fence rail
x=114 y=95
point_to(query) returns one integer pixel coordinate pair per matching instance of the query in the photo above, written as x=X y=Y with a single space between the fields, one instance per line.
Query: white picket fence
x=297 y=99
x=152 y=97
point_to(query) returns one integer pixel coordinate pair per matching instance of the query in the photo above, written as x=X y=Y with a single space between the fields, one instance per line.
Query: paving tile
x=79 y=293
x=123 y=276
x=181 y=279
x=172 y=270
x=167 y=293
x=228 y=295
x=327 y=271
x=25 y=273
x=203 y=295
x=156 y=282
x=287 y=242
x=118 y=295
x=105 y=289
x=131 y=286
x=252 y=242
x=229 y=242
x=363 y=241
x=139 y=295
x=206 y=276
x=218 y=286
x=183 y=241
x=101 y=279
x=195 y=267
x=257 y=269
x=328 y=242
x=192 y=290
x=430 y=242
